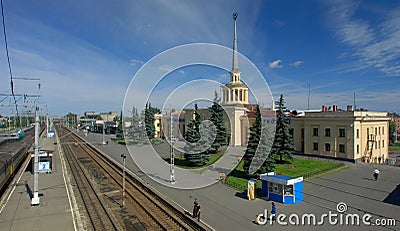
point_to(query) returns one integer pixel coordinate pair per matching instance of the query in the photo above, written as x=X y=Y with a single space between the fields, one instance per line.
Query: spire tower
x=235 y=91
x=235 y=65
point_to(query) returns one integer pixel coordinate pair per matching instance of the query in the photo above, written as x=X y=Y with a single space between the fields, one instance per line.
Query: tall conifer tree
x=217 y=118
x=254 y=139
x=283 y=143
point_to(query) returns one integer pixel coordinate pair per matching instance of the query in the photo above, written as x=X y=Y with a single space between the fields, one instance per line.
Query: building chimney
x=324 y=108
x=334 y=107
x=349 y=108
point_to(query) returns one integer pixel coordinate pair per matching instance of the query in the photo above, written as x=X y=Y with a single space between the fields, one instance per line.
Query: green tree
x=392 y=132
x=254 y=139
x=149 y=119
x=99 y=117
x=217 y=118
x=119 y=133
x=283 y=143
x=194 y=148
x=264 y=148
x=135 y=123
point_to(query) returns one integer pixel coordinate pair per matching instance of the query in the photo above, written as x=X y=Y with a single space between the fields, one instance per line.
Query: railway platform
x=54 y=210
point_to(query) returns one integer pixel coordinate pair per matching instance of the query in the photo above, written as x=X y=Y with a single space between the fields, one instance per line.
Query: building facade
x=349 y=135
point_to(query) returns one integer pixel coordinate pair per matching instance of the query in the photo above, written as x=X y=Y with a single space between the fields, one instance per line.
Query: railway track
x=153 y=210
x=99 y=217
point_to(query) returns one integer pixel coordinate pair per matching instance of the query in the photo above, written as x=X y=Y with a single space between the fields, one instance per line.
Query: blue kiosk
x=282 y=189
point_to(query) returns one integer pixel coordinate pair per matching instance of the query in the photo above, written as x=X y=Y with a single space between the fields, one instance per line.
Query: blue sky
x=86 y=52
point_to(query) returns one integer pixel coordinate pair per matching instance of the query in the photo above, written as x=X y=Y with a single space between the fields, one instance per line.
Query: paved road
x=225 y=208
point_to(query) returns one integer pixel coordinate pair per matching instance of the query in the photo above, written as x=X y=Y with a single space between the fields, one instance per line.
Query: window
x=379 y=144
x=341 y=148
x=358 y=149
x=302 y=133
x=327 y=147
x=383 y=143
x=376 y=131
x=315 y=146
x=379 y=131
x=358 y=133
x=383 y=130
x=327 y=132
x=342 y=132
x=315 y=131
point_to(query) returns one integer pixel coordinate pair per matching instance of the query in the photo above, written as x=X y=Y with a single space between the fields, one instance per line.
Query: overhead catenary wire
x=8 y=57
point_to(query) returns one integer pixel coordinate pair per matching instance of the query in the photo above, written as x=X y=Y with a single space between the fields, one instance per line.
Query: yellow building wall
x=355 y=146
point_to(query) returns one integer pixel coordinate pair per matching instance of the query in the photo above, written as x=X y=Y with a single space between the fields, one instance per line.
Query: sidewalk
x=54 y=211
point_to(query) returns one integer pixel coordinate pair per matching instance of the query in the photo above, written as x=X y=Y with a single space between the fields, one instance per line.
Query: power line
x=8 y=56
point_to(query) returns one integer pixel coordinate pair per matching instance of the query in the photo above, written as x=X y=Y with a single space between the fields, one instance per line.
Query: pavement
x=225 y=208
x=53 y=212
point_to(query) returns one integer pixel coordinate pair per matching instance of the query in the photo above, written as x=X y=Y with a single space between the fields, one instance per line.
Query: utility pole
x=36 y=199
x=123 y=180
x=47 y=124
x=104 y=141
x=172 y=157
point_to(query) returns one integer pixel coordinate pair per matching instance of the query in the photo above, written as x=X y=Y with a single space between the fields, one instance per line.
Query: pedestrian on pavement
x=376 y=173
x=273 y=212
x=198 y=212
x=195 y=203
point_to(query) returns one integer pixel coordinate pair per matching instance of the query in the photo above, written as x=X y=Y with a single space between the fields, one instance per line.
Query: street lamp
x=172 y=157
x=123 y=180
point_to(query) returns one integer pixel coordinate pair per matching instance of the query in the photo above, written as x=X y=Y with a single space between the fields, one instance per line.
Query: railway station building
x=358 y=136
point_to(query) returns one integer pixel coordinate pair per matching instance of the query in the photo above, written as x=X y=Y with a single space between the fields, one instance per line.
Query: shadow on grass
x=238 y=174
x=283 y=162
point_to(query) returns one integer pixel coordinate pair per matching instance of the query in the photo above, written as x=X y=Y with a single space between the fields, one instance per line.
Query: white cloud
x=276 y=64
x=297 y=63
x=135 y=62
x=373 y=45
x=165 y=68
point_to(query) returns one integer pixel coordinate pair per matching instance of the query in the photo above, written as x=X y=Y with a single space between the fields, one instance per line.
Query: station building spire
x=235 y=92
x=235 y=65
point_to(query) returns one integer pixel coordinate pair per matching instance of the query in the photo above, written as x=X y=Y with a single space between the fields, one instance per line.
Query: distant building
x=349 y=135
x=395 y=118
x=109 y=116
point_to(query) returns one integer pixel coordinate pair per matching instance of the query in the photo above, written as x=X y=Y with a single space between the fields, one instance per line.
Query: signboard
x=42 y=154
x=44 y=166
x=50 y=133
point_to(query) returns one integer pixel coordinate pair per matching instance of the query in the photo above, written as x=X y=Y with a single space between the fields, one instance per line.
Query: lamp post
x=123 y=180
x=104 y=127
x=172 y=158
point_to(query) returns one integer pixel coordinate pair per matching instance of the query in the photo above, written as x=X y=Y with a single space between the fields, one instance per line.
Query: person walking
x=376 y=173
x=195 y=203
x=198 y=211
x=273 y=212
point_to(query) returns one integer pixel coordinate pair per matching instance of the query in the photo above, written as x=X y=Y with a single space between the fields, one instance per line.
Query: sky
x=86 y=52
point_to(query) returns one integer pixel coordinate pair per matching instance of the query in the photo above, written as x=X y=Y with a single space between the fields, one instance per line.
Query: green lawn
x=394 y=147
x=305 y=167
x=181 y=162
x=299 y=167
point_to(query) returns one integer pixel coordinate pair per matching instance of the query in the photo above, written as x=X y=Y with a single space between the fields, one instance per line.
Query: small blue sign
x=44 y=166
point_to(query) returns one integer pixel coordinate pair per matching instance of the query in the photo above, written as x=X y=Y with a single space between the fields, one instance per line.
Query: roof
x=280 y=179
x=231 y=85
